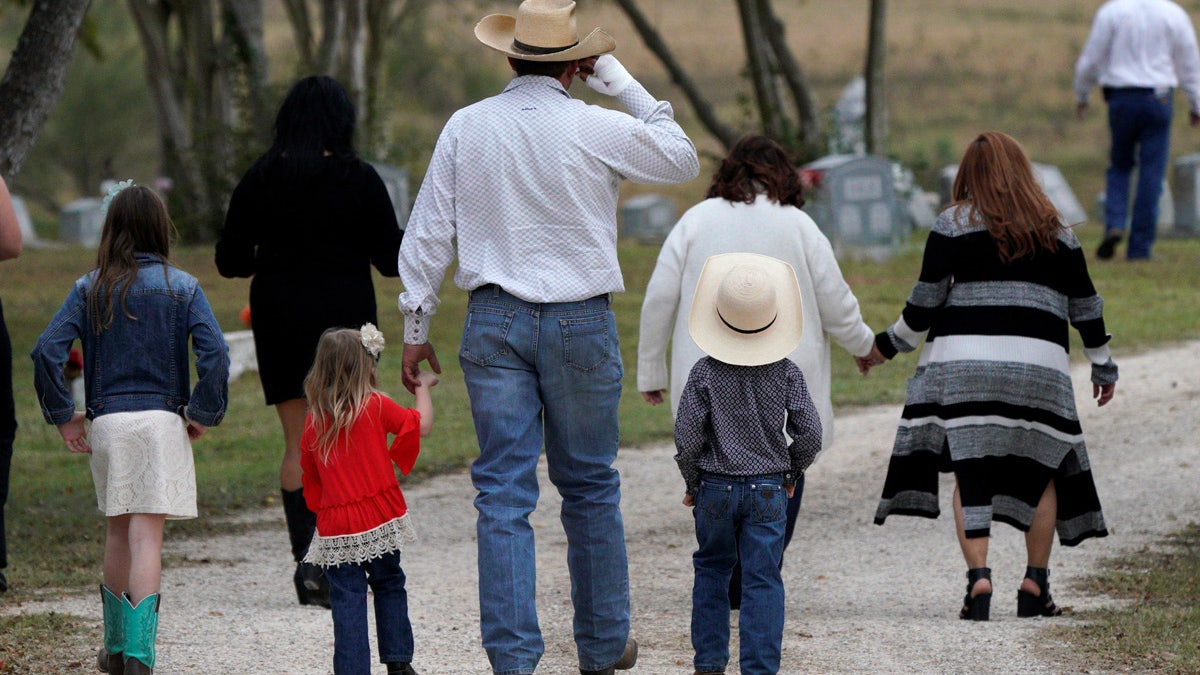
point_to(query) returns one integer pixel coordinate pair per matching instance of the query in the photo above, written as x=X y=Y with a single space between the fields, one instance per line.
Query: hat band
x=744 y=331
x=537 y=51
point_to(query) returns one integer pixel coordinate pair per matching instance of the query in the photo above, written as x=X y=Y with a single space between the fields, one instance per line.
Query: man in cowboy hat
x=739 y=467
x=522 y=186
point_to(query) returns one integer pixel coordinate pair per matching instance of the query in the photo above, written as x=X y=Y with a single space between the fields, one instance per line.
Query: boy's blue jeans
x=348 y=599
x=546 y=373
x=745 y=514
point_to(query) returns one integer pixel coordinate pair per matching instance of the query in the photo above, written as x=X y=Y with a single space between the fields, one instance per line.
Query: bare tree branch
x=876 y=122
x=704 y=109
x=802 y=97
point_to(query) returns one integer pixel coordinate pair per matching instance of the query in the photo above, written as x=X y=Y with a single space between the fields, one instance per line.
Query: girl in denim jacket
x=134 y=315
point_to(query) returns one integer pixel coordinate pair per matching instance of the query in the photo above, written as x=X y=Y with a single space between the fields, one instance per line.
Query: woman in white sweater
x=753 y=206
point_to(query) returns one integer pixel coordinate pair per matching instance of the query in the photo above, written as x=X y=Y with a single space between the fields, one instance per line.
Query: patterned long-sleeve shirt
x=522 y=187
x=732 y=421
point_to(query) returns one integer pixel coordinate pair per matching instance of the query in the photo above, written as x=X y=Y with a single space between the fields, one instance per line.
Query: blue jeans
x=348 y=598
x=546 y=373
x=746 y=515
x=1140 y=123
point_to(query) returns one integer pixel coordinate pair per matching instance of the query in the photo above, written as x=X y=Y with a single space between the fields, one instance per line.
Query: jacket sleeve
x=50 y=354
x=840 y=314
x=210 y=396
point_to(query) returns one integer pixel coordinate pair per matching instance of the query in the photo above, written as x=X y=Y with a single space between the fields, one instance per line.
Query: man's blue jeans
x=546 y=373
x=1140 y=123
x=746 y=516
x=348 y=599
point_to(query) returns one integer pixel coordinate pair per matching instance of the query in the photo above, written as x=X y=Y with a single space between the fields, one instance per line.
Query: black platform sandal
x=1042 y=604
x=977 y=608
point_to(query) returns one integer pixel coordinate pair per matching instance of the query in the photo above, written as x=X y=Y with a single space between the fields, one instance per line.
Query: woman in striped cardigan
x=1001 y=281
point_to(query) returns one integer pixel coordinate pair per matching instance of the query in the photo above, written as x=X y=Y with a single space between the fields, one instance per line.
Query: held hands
x=604 y=74
x=1103 y=393
x=413 y=356
x=865 y=363
x=74 y=434
x=426 y=378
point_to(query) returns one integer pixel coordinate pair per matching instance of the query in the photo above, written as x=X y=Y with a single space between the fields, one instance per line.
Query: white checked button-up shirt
x=1140 y=43
x=524 y=186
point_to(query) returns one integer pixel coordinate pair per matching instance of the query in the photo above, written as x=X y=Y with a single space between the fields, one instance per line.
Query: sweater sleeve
x=405 y=425
x=659 y=308
x=836 y=304
x=926 y=300
x=1085 y=311
x=239 y=237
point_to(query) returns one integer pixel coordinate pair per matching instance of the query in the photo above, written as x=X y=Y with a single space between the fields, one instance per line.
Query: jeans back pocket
x=768 y=501
x=713 y=500
x=586 y=343
x=485 y=334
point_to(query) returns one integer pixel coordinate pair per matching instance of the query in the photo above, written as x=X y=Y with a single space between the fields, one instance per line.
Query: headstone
x=854 y=202
x=28 y=236
x=242 y=356
x=395 y=179
x=1185 y=188
x=647 y=218
x=849 y=115
x=81 y=222
x=1052 y=181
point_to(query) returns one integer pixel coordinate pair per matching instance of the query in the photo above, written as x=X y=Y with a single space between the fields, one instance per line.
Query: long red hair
x=996 y=182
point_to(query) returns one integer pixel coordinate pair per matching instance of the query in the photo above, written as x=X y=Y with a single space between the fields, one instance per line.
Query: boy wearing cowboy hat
x=522 y=188
x=739 y=467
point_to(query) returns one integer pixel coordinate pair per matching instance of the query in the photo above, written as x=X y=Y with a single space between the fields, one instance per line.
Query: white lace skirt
x=142 y=463
x=361 y=547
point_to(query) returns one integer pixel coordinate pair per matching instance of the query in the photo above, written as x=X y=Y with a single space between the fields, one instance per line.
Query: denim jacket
x=137 y=364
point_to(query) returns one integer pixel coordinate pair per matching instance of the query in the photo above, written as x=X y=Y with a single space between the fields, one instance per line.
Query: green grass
x=1155 y=625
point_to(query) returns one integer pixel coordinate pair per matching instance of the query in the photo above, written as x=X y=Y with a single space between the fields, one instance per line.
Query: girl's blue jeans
x=746 y=515
x=348 y=597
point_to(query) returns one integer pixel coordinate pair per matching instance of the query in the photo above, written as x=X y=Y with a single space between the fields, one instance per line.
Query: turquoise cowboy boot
x=109 y=659
x=141 y=631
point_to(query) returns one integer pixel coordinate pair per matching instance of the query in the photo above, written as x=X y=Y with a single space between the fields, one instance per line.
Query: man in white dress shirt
x=1138 y=51
x=522 y=189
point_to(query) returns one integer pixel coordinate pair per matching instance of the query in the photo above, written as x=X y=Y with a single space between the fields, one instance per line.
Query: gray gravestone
x=28 y=236
x=647 y=218
x=395 y=179
x=853 y=201
x=81 y=222
x=1185 y=188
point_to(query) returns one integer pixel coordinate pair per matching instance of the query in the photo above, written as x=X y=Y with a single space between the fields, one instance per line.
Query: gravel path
x=861 y=598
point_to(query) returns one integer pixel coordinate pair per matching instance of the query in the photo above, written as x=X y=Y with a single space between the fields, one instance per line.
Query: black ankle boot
x=1042 y=604
x=312 y=588
x=977 y=608
x=401 y=669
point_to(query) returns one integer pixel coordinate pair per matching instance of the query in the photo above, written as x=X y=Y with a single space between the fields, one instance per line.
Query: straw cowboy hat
x=542 y=30
x=747 y=309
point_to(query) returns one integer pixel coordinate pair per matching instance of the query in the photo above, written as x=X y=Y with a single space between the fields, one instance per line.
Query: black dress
x=309 y=242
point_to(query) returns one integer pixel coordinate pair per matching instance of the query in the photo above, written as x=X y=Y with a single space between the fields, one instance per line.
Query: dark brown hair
x=995 y=181
x=758 y=164
x=136 y=222
x=553 y=69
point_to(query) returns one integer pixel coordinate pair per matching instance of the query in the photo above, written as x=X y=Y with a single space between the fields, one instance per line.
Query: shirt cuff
x=416 y=329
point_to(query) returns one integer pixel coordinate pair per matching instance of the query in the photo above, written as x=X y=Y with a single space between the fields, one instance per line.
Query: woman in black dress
x=307 y=222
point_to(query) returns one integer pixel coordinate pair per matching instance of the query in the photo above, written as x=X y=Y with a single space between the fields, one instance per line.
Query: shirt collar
x=535 y=80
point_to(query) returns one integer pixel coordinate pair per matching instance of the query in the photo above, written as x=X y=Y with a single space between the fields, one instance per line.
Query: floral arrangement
x=112 y=192
x=372 y=339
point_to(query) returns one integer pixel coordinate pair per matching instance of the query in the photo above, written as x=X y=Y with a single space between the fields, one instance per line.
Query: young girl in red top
x=349 y=482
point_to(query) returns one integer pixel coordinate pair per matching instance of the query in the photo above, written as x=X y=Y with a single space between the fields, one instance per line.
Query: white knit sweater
x=717 y=226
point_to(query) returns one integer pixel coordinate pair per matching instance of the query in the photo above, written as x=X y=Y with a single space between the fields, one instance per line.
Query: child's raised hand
x=426 y=378
x=74 y=434
x=689 y=499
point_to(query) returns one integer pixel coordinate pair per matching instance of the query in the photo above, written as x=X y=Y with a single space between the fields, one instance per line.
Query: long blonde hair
x=338 y=385
x=996 y=182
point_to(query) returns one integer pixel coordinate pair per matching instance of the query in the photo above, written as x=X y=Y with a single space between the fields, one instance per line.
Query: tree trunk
x=297 y=12
x=246 y=28
x=760 y=61
x=807 y=121
x=876 y=122
x=35 y=76
x=703 y=107
x=333 y=24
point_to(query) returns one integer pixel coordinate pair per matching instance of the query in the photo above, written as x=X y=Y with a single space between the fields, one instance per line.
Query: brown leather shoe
x=628 y=660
